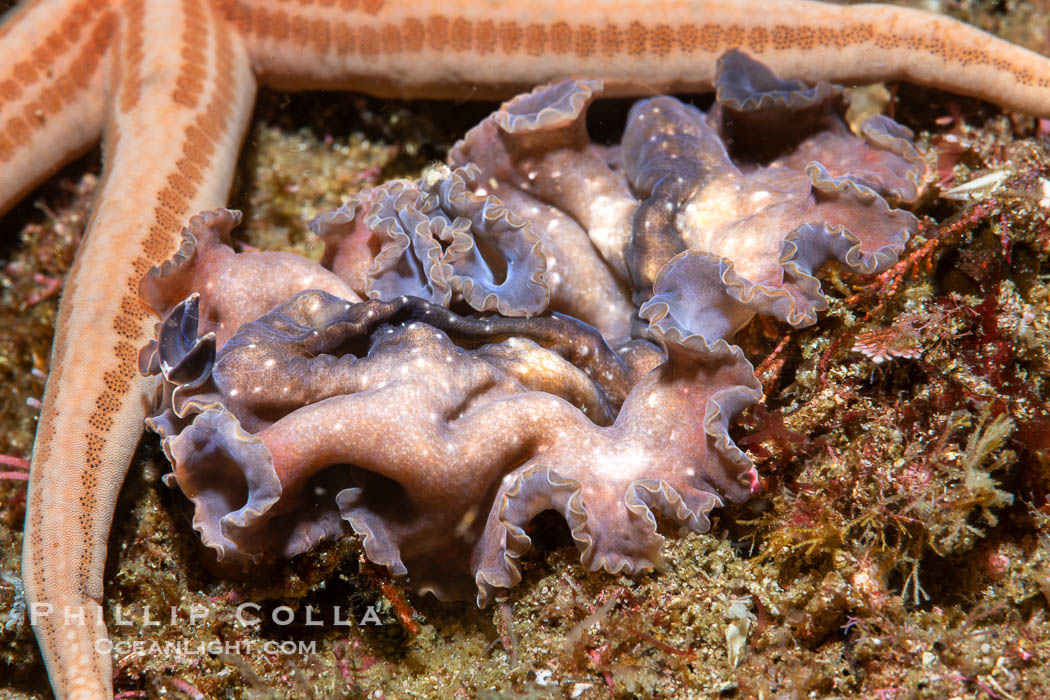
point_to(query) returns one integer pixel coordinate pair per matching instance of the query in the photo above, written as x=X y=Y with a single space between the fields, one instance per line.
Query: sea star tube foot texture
x=436 y=422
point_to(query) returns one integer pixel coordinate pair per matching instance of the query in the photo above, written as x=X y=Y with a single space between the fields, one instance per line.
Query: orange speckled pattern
x=424 y=45
x=168 y=86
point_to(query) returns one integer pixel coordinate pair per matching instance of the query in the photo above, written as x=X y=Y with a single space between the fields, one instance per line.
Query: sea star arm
x=183 y=99
x=52 y=97
x=448 y=48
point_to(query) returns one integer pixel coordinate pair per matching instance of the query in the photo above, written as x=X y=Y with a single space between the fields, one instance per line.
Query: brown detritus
x=507 y=636
x=578 y=634
x=765 y=425
x=769 y=370
x=660 y=645
x=762 y=621
x=899 y=341
x=887 y=284
x=394 y=595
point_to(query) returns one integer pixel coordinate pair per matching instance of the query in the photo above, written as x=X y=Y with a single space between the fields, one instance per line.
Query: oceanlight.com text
x=214 y=647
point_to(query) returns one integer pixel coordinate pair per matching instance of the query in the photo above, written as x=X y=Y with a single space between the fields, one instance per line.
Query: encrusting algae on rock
x=899 y=546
